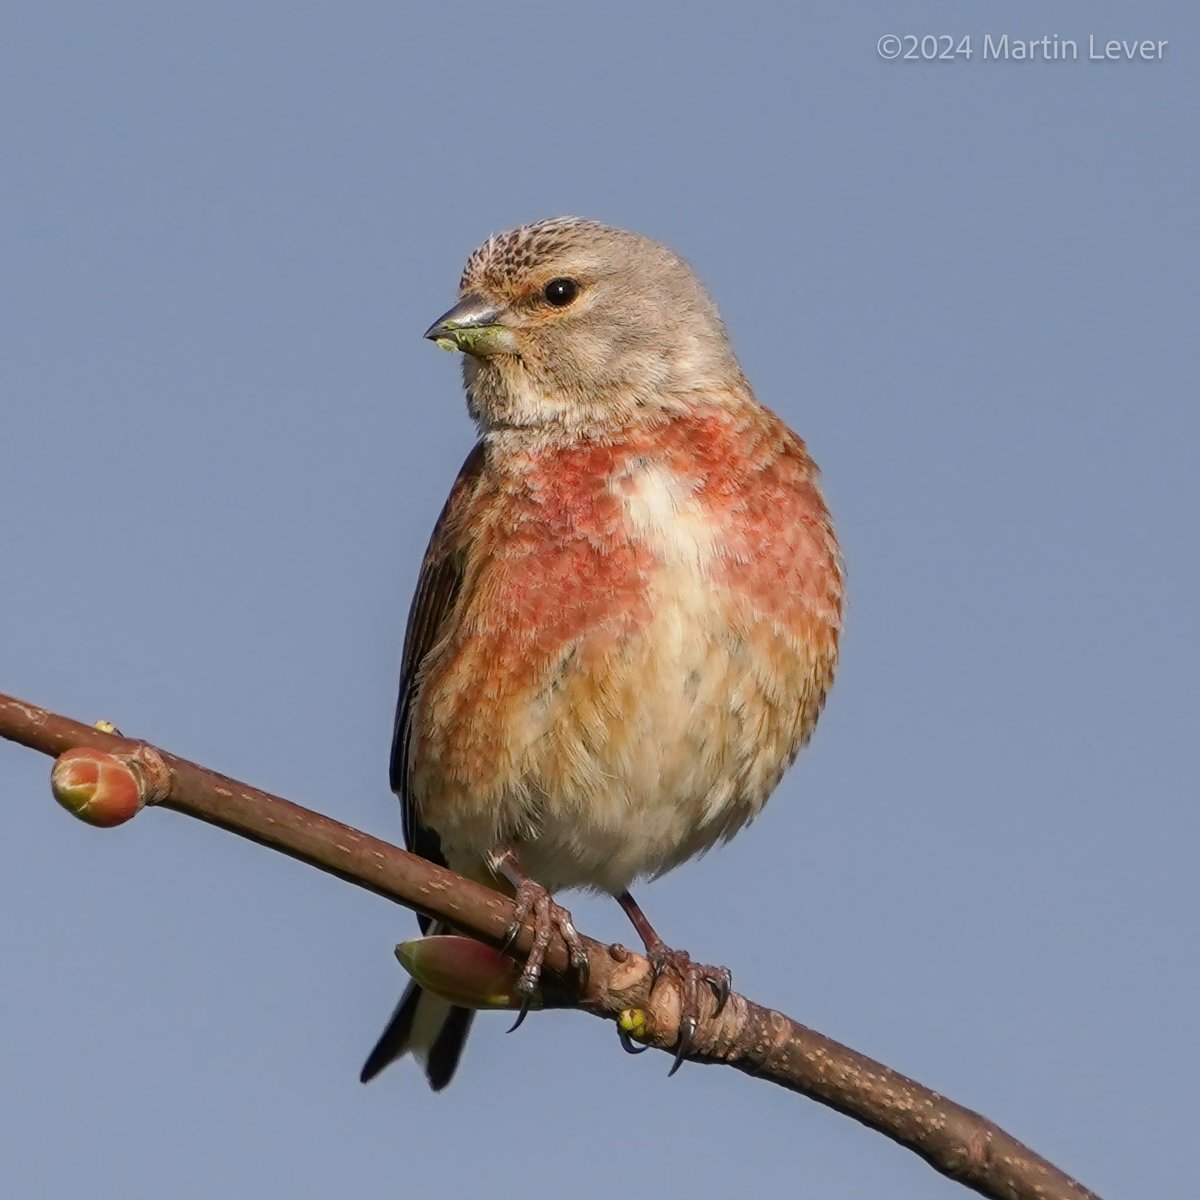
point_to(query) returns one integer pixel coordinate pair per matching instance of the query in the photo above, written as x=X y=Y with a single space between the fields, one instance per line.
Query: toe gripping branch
x=535 y=907
x=691 y=976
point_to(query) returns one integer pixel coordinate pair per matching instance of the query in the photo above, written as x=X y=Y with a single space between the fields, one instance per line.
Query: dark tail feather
x=447 y=1048
x=393 y=1041
x=432 y=1029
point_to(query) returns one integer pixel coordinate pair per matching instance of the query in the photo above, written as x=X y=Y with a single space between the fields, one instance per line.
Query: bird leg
x=535 y=906
x=691 y=975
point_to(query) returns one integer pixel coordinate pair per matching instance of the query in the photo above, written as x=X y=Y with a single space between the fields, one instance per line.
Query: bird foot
x=690 y=976
x=535 y=906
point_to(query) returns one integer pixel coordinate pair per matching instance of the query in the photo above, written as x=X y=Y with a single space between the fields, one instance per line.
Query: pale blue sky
x=972 y=286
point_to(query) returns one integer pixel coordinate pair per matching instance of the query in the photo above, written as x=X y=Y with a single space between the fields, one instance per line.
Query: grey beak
x=471 y=312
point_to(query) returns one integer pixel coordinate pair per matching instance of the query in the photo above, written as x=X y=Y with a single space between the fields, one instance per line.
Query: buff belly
x=652 y=762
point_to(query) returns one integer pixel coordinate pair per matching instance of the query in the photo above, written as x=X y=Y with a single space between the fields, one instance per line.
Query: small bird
x=628 y=616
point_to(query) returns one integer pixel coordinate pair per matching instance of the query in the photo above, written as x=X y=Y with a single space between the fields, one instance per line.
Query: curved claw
x=510 y=936
x=721 y=983
x=628 y=1044
x=520 y=1017
x=580 y=963
x=687 y=1035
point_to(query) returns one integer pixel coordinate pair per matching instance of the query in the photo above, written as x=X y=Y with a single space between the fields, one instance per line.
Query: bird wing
x=438 y=587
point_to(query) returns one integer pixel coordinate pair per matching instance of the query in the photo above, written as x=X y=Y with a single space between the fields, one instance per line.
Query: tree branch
x=759 y=1041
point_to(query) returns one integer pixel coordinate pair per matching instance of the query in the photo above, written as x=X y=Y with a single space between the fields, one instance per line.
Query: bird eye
x=560 y=292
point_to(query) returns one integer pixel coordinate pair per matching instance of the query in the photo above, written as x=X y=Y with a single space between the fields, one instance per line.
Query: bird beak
x=472 y=326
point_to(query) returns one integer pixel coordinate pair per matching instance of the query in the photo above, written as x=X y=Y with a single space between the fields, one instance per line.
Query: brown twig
x=760 y=1041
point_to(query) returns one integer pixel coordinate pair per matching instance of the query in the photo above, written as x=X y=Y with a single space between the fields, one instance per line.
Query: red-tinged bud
x=463 y=971
x=96 y=787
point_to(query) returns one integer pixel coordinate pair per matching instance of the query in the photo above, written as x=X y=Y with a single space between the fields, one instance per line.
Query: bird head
x=575 y=324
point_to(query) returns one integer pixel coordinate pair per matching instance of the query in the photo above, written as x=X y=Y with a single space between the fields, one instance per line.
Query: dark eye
x=560 y=292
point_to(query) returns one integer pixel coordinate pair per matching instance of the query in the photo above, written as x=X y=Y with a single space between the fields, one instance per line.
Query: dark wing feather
x=437 y=589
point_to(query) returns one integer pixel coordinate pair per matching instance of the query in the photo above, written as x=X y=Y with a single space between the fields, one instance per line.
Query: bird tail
x=433 y=1030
